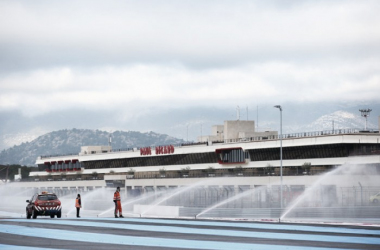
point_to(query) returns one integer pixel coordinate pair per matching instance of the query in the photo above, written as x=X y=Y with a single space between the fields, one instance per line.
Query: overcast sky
x=145 y=57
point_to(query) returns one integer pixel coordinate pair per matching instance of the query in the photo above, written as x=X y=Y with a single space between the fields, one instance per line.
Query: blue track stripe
x=273 y=226
x=219 y=232
x=12 y=247
x=141 y=241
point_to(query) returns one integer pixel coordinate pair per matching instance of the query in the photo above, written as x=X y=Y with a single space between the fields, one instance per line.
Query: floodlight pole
x=201 y=133
x=365 y=114
x=280 y=108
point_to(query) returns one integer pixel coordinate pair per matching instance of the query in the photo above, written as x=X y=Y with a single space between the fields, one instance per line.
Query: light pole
x=280 y=108
x=187 y=133
x=201 y=133
x=365 y=114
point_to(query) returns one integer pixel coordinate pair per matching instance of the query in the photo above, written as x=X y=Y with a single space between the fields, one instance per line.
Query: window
x=47 y=197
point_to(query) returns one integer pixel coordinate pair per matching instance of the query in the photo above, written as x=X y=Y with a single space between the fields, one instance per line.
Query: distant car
x=45 y=204
x=375 y=198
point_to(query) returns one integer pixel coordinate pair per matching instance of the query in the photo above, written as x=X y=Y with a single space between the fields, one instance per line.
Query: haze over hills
x=189 y=123
x=70 y=141
x=335 y=120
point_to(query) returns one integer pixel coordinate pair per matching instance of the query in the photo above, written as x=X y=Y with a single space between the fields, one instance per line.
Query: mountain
x=337 y=120
x=69 y=142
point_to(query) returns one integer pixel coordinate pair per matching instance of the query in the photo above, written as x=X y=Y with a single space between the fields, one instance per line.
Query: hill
x=69 y=142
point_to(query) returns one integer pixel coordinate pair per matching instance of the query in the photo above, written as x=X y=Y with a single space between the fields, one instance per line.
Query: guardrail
x=301 y=135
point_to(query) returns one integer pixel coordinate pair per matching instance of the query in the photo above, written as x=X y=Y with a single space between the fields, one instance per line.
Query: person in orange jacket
x=117 y=200
x=78 y=204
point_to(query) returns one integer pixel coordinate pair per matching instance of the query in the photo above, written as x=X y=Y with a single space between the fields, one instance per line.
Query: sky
x=157 y=65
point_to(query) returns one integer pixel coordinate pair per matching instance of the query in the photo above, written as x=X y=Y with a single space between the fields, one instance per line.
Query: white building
x=235 y=130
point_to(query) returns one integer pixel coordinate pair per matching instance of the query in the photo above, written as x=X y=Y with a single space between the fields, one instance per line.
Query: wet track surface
x=149 y=234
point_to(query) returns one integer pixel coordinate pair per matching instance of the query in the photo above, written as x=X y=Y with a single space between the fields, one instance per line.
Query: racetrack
x=143 y=233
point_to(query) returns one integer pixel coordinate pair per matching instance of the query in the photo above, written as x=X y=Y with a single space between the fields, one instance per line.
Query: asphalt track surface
x=154 y=234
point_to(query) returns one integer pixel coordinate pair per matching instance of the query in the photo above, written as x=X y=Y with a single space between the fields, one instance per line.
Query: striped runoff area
x=149 y=234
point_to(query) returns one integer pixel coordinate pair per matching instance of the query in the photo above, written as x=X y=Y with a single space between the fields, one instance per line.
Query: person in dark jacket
x=78 y=204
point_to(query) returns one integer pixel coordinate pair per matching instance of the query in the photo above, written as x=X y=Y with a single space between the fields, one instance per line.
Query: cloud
x=149 y=86
x=194 y=33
